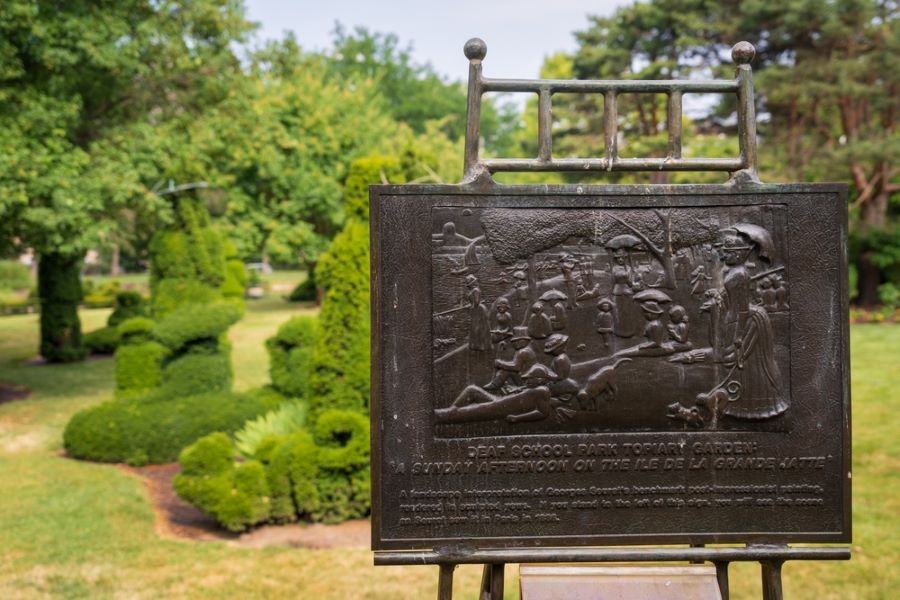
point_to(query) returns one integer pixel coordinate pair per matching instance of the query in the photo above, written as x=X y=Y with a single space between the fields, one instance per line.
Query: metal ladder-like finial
x=742 y=168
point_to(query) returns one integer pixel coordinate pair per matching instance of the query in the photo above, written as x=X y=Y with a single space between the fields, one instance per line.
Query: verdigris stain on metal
x=609 y=364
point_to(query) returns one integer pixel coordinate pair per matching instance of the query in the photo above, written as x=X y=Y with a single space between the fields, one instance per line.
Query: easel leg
x=445 y=582
x=722 y=578
x=497 y=582
x=771 y=580
x=492 y=582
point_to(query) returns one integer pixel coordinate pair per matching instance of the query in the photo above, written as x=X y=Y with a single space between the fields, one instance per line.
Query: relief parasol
x=652 y=294
x=760 y=236
x=551 y=295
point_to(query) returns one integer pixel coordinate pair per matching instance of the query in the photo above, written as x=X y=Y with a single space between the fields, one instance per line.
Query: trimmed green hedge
x=290 y=355
x=152 y=430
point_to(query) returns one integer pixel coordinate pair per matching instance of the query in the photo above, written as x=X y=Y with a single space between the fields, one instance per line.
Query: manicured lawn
x=70 y=529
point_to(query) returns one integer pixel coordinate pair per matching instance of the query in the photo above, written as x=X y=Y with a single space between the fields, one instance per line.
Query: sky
x=518 y=33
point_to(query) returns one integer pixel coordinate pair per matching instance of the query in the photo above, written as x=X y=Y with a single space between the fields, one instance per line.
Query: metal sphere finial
x=475 y=49
x=742 y=53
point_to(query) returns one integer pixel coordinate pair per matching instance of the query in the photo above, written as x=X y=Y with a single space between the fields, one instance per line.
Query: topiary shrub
x=129 y=304
x=60 y=293
x=101 y=341
x=323 y=477
x=290 y=355
x=136 y=331
x=343 y=485
x=269 y=396
x=340 y=375
x=292 y=477
x=154 y=430
x=196 y=373
x=306 y=290
x=139 y=359
x=196 y=323
x=343 y=440
x=235 y=283
x=169 y=294
x=237 y=496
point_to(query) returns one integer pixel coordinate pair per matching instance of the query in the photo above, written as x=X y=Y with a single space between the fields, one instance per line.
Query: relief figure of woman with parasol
x=753 y=381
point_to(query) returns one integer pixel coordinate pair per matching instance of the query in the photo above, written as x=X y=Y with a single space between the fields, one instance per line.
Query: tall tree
x=414 y=93
x=827 y=74
x=76 y=75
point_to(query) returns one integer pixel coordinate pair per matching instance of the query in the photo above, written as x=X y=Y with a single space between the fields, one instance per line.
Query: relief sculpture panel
x=610 y=320
x=591 y=365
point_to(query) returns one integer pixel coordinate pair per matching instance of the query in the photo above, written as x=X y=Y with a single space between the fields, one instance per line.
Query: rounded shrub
x=151 y=429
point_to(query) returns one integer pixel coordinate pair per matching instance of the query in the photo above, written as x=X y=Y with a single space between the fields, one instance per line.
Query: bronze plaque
x=583 y=365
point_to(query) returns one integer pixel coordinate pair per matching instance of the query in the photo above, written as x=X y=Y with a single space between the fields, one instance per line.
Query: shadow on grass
x=60 y=381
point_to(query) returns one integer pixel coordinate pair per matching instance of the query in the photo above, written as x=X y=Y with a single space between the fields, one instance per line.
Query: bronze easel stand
x=771 y=558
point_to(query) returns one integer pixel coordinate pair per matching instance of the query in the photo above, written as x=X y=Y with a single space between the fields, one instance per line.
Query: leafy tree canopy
x=75 y=78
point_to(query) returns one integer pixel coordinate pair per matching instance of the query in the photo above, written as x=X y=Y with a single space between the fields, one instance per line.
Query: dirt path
x=175 y=518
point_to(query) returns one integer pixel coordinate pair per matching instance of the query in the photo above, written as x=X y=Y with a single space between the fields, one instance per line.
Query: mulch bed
x=176 y=518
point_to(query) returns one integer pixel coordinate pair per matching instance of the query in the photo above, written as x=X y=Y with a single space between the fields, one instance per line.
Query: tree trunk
x=114 y=268
x=59 y=289
x=872 y=214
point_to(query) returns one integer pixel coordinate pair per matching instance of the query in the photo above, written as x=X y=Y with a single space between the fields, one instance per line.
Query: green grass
x=70 y=529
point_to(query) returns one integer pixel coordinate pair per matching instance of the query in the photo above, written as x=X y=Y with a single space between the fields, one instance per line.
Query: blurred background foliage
x=108 y=110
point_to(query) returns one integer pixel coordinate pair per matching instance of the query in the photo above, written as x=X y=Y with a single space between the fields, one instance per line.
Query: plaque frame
x=767 y=548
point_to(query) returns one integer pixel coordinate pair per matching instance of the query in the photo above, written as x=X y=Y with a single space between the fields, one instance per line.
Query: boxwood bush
x=154 y=430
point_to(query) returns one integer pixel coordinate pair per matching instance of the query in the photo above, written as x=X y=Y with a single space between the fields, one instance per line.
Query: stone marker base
x=610 y=582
